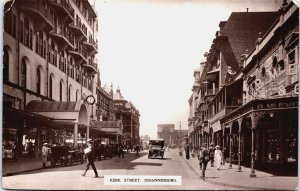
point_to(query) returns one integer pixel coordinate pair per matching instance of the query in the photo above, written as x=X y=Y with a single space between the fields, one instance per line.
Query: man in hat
x=45 y=152
x=90 y=153
x=205 y=159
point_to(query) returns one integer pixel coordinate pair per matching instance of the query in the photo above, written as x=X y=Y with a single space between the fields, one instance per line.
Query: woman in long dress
x=218 y=157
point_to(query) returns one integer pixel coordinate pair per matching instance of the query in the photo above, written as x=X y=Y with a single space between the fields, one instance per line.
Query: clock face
x=90 y=99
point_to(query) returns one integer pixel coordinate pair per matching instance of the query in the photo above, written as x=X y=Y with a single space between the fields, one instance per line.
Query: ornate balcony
x=91 y=67
x=64 y=38
x=91 y=46
x=79 y=54
x=64 y=9
x=37 y=11
x=79 y=29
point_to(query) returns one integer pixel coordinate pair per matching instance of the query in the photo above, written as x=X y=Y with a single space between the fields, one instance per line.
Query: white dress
x=218 y=158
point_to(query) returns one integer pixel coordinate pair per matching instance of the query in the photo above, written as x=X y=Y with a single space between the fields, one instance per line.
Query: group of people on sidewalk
x=212 y=154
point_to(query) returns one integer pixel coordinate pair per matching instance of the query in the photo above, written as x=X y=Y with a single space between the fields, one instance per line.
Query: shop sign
x=277 y=105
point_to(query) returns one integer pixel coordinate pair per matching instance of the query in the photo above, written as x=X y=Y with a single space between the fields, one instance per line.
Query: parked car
x=156 y=148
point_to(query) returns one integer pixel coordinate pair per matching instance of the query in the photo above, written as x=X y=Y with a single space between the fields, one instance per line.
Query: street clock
x=90 y=99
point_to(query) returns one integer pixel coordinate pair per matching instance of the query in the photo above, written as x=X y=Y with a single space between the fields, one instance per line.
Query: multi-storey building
x=49 y=72
x=250 y=109
x=264 y=131
x=130 y=117
x=105 y=103
x=219 y=93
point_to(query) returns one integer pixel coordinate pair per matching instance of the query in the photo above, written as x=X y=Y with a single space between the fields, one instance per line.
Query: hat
x=89 y=140
x=217 y=147
x=45 y=144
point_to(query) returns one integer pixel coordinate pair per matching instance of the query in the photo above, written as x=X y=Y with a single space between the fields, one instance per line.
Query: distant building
x=130 y=116
x=170 y=135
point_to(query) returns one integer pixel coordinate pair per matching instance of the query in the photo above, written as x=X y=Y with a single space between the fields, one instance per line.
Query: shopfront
x=274 y=123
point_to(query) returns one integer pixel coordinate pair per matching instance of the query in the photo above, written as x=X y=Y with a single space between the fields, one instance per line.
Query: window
x=38 y=81
x=21 y=32
x=14 y=25
x=23 y=73
x=30 y=38
x=69 y=95
x=51 y=87
x=76 y=95
x=26 y=31
x=5 y=65
x=60 y=90
x=8 y=22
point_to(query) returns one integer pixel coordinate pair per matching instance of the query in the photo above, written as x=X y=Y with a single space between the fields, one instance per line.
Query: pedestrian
x=90 y=153
x=205 y=159
x=120 y=151
x=137 y=149
x=218 y=157
x=45 y=153
x=200 y=158
x=211 y=154
x=187 y=151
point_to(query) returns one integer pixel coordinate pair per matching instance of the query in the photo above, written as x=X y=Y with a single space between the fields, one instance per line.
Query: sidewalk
x=231 y=177
x=12 y=167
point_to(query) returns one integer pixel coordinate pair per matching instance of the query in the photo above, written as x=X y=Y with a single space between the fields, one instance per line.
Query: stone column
x=87 y=132
x=253 y=124
x=76 y=134
x=239 y=151
x=230 y=145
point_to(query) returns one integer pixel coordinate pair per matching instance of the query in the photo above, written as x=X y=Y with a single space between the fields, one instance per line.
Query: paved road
x=70 y=177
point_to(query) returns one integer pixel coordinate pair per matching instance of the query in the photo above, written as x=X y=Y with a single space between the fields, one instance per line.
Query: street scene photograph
x=150 y=95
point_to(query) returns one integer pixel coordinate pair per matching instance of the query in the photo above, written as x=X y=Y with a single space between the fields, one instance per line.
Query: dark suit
x=91 y=160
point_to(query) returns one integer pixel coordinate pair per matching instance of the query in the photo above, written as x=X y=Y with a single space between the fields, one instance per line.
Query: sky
x=150 y=49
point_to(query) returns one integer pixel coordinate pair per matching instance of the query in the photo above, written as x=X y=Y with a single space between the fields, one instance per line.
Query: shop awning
x=60 y=112
x=109 y=127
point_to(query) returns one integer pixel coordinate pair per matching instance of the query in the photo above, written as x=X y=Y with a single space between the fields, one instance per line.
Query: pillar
x=230 y=145
x=76 y=134
x=223 y=146
x=239 y=149
x=253 y=123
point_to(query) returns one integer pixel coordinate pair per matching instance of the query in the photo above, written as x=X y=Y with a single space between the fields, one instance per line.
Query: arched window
x=60 y=90
x=5 y=65
x=38 y=81
x=23 y=73
x=51 y=87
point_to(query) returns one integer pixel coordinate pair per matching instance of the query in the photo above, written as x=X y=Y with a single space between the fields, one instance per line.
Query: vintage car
x=156 y=148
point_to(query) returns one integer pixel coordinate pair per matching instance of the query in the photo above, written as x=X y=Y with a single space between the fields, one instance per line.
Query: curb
x=20 y=172
x=226 y=184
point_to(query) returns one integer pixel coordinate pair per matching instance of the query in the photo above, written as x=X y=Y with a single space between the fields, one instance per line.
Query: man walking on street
x=90 y=153
x=205 y=159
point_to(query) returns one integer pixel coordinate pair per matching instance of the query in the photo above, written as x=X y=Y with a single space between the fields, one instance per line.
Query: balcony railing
x=43 y=18
x=64 y=7
x=79 y=29
x=64 y=36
